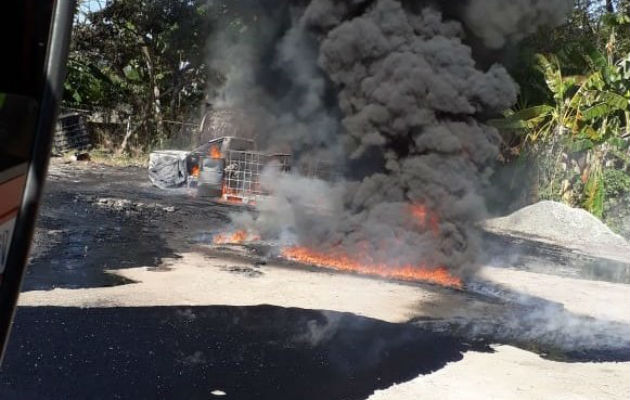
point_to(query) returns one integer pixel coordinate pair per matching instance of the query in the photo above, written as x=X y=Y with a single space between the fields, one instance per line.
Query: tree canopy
x=572 y=121
x=147 y=57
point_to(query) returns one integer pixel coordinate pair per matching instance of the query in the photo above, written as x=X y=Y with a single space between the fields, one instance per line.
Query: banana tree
x=580 y=104
x=585 y=113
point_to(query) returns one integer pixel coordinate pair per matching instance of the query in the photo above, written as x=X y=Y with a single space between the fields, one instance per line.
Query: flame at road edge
x=341 y=262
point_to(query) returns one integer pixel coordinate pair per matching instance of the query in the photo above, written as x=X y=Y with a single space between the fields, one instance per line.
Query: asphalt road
x=258 y=352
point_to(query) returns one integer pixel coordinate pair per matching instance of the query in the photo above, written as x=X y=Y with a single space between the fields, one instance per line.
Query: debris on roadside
x=81 y=157
x=125 y=205
x=242 y=270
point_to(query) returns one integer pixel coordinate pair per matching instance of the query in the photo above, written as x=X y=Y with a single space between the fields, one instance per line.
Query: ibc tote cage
x=241 y=174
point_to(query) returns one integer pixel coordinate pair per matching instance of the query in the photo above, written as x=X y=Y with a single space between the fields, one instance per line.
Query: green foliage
x=86 y=84
x=617 y=205
x=132 y=73
x=573 y=117
x=616 y=182
x=594 y=193
x=144 y=56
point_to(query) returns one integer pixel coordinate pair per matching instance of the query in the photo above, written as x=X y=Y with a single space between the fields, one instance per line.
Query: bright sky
x=92 y=5
x=87 y=6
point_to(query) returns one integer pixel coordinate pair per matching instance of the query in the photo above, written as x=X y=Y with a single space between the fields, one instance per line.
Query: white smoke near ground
x=405 y=118
x=532 y=321
x=317 y=332
x=300 y=209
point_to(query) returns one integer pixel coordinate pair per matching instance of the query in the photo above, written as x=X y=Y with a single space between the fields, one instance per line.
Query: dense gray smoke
x=282 y=93
x=500 y=21
x=406 y=114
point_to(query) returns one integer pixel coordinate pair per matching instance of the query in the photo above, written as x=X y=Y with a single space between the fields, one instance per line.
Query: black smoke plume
x=390 y=94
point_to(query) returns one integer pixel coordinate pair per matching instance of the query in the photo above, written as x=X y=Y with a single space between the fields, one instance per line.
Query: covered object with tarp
x=168 y=168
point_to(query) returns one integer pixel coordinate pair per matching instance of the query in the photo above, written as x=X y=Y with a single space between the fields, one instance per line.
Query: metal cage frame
x=241 y=174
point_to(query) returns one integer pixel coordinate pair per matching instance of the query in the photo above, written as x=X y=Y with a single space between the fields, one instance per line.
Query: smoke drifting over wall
x=406 y=105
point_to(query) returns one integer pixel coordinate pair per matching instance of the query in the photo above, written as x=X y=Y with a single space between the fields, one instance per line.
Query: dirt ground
x=511 y=373
x=107 y=239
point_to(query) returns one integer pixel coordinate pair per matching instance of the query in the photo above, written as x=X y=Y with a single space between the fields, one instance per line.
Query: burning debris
x=405 y=120
x=225 y=168
x=340 y=261
x=237 y=237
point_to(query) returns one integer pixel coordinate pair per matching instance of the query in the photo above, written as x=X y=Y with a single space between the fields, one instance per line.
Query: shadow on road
x=256 y=352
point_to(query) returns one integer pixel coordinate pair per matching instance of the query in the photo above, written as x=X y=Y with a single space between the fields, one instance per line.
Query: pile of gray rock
x=561 y=225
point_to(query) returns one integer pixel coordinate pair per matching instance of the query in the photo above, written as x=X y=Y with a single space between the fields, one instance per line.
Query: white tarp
x=167 y=168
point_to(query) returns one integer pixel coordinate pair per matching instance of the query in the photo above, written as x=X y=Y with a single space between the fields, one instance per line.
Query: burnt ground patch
x=590 y=340
x=94 y=218
x=257 y=352
x=76 y=242
x=536 y=256
x=538 y=325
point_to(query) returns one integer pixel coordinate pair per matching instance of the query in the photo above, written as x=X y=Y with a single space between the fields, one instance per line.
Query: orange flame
x=343 y=262
x=230 y=195
x=195 y=171
x=426 y=218
x=215 y=152
x=236 y=237
x=338 y=259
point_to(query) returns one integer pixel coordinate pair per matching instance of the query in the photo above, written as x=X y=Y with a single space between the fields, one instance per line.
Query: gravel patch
x=559 y=224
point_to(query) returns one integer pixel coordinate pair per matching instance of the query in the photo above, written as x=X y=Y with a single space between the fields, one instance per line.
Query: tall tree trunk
x=128 y=133
x=610 y=8
x=155 y=89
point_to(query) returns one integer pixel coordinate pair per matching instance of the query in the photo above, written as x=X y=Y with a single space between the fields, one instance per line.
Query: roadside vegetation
x=104 y=156
x=142 y=61
x=570 y=131
x=145 y=61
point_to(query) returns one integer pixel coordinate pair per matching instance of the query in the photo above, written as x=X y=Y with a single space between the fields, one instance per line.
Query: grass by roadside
x=107 y=157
